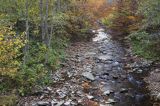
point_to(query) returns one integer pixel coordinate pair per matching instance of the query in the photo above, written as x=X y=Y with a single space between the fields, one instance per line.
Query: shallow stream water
x=127 y=89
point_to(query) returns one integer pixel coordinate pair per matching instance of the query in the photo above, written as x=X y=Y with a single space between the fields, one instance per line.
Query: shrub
x=10 y=50
x=144 y=45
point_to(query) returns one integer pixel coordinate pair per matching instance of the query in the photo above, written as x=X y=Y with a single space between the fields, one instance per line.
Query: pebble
x=108 y=92
x=123 y=90
x=157 y=70
x=104 y=58
x=106 y=105
x=115 y=64
x=88 y=75
x=110 y=101
x=140 y=71
x=115 y=77
x=49 y=89
x=67 y=103
x=90 y=96
x=43 y=103
x=60 y=103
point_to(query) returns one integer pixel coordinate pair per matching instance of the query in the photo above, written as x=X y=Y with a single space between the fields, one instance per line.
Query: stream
x=94 y=74
x=127 y=89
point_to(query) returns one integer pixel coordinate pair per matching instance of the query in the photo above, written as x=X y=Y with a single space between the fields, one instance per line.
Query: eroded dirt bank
x=98 y=73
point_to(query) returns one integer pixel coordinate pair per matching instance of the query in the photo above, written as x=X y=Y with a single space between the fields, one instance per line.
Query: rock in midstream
x=104 y=58
x=88 y=75
x=43 y=103
x=158 y=97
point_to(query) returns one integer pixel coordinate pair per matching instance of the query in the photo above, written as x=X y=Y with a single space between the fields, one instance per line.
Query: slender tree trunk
x=27 y=34
x=46 y=21
x=59 y=5
x=46 y=30
x=42 y=20
x=51 y=34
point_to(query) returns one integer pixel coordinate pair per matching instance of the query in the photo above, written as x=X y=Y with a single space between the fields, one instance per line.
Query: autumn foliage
x=10 y=46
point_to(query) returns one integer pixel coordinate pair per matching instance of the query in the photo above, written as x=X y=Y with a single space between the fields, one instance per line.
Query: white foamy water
x=101 y=35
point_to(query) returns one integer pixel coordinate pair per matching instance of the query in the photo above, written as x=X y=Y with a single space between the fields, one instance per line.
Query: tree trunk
x=27 y=35
x=46 y=31
x=42 y=20
x=59 y=5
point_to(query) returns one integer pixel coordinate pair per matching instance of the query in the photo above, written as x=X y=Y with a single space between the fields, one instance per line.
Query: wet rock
x=68 y=103
x=80 y=93
x=43 y=103
x=90 y=96
x=80 y=59
x=158 y=96
x=132 y=80
x=157 y=70
x=130 y=95
x=70 y=74
x=123 y=90
x=98 y=68
x=108 y=92
x=104 y=52
x=46 y=90
x=127 y=66
x=104 y=77
x=106 y=105
x=115 y=64
x=104 y=58
x=33 y=104
x=107 y=67
x=53 y=102
x=141 y=64
x=88 y=69
x=140 y=71
x=80 y=101
x=156 y=104
x=123 y=77
x=140 y=98
x=115 y=76
x=110 y=101
x=61 y=94
x=146 y=63
x=90 y=54
x=106 y=73
x=88 y=75
x=42 y=96
x=139 y=83
x=49 y=89
x=74 y=103
x=60 y=103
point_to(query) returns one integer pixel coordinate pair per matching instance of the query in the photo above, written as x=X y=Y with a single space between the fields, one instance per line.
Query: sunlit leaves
x=10 y=46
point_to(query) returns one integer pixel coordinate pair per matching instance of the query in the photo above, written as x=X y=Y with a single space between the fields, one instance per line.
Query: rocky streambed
x=98 y=73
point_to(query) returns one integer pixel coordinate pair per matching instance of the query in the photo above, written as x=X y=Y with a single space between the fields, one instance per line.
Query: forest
x=78 y=52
